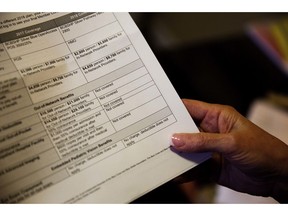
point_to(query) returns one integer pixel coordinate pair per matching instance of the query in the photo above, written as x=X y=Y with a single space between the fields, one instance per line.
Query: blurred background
x=213 y=57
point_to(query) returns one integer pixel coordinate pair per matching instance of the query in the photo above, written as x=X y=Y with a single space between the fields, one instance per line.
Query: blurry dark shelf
x=232 y=72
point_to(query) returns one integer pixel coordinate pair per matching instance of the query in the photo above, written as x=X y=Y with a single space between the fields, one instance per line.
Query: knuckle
x=229 y=109
x=231 y=142
x=198 y=142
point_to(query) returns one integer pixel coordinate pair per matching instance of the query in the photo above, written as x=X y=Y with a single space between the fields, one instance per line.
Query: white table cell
x=7 y=127
x=14 y=153
x=89 y=96
x=88 y=106
x=79 y=27
x=110 y=63
x=131 y=87
x=27 y=166
x=10 y=82
x=13 y=101
x=108 y=87
x=100 y=48
x=55 y=86
x=95 y=156
x=6 y=66
x=148 y=131
x=33 y=43
x=3 y=53
x=21 y=186
x=132 y=101
x=88 y=123
x=20 y=134
x=97 y=112
x=76 y=142
x=49 y=69
x=64 y=109
x=41 y=56
x=95 y=37
x=139 y=113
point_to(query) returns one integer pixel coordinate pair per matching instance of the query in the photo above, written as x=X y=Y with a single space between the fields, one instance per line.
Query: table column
x=43 y=60
x=129 y=99
x=100 y=49
x=76 y=124
x=13 y=94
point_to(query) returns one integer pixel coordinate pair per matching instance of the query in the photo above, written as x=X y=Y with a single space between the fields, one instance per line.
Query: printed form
x=86 y=111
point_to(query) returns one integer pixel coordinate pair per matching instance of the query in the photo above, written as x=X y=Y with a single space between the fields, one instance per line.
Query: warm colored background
x=210 y=57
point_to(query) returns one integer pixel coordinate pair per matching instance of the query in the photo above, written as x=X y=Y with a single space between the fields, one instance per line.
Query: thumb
x=201 y=142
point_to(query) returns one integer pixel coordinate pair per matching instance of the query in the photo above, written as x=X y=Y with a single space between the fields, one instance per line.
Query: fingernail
x=176 y=140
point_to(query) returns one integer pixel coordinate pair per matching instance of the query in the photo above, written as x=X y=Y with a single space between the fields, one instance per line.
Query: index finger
x=197 y=109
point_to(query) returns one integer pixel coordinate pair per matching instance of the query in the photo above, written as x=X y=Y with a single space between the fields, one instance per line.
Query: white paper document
x=86 y=111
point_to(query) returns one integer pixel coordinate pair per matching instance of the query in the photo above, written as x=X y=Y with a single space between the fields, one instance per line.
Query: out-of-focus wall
x=178 y=29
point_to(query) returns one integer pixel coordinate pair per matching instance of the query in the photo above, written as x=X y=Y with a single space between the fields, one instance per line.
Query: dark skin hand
x=246 y=158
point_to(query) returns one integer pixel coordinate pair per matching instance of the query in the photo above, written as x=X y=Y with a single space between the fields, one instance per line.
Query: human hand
x=252 y=160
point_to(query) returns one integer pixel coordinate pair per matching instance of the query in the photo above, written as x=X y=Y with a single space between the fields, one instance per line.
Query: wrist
x=280 y=192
